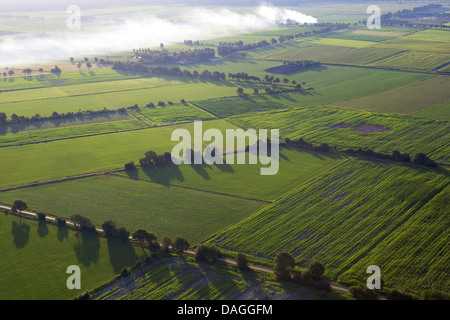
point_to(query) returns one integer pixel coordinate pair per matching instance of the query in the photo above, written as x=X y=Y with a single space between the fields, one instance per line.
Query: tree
x=79 y=66
x=89 y=65
x=180 y=244
x=19 y=205
x=363 y=294
x=130 y=166
x=317 y=269
x=283 y=262
x=83 y=223
x=166 y=242
x=255 y=90
x=41 y=70
x=123 y=234
x=241 y=261
x=11 y=73
x=206 y=253
x=240 y=91
x=109 y=228
x=161 y=45
x=140 y=235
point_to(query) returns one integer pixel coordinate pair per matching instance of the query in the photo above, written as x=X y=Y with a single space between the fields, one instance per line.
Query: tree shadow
x=62 y=234
x=21 y=234
x=42 y=229
x=121 y=254
x=87 y=248
x=199 y=168
x=163 y=175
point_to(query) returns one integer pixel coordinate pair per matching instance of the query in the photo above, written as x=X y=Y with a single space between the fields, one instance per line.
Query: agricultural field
x=35 y=256
x=179 y=278
x=136 y=204
x=383 y=90
x=295 y=168
x=336 y=219
x=44 y=161
x=410 y=99
x=353 y=129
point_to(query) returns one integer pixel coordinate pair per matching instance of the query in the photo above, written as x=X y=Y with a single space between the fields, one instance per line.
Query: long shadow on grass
x=21 y=234
x=162 y=175
x=42 y=229
x=121 y=254
x=62 y=234
x=87 y=248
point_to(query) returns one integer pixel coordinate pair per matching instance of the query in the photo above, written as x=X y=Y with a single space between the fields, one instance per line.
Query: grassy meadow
x=35 y=257
x=136 y=204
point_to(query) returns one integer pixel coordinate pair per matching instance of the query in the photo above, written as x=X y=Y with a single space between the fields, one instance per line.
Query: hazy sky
x=143 y=31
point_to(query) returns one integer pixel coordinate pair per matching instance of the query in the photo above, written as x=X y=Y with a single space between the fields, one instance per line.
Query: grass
x=136 y=204
x=358 y=36
x=114 y=100
x=336 y=127
x=183 y=278
x=409 y=99
x=37 y=162
x=295 y=168
x=436 y=112
x=338 y=220
x=35 y=257
x=413 y=60
x=171 y=114
x=43 y=135
x=238 y=105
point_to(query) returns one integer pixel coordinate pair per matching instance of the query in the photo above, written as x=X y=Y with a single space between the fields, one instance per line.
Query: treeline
x=228 y=48
x=163 y=56
x=16 y=119
x=419 y=158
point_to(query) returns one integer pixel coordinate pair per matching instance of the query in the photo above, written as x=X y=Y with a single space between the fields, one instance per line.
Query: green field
x=36 y=162
x=437 y=112
x=168 y=114
x=135 y=204
x=175 y=278
x=44 y=135
x=295 y=168
x=420 y=248
x=409 y=99
x=340 y=127
x=35 y=257
x=337 y=219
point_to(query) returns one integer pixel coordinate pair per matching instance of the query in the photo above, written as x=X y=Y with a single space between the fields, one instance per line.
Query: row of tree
x=15 y=119
x=419 y=158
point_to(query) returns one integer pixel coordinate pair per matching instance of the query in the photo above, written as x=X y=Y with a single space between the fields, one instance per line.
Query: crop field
x=409 y=99
x=135 y=204
x=386 y=90
x=337 y=220
x=35 y=257
x=168 y=114
x=43 y=161
x=437 y=112
x=414 y=60
x=420 y=248
x=120 y=99
x=45 y=135
x=339 y=127
x=359 y=36
x=295 y=167
x=237 y=105
x=176 y=278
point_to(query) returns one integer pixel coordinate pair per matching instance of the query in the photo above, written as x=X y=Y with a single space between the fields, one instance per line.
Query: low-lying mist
x=138 y=31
